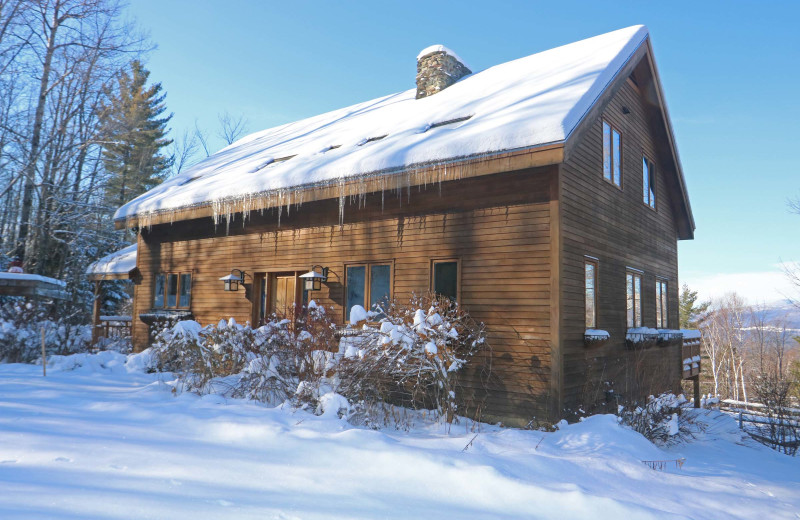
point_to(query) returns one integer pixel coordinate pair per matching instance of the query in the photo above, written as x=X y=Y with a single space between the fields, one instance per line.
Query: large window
x=444 y=279
x=648 y=183
x=612 y=155
x=590 y=283
x=634 y=294
x=368 y=285
x=172 y=290
x=661 y=304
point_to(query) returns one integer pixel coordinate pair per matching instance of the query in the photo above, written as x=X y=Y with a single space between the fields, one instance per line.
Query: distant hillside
x=781 y=310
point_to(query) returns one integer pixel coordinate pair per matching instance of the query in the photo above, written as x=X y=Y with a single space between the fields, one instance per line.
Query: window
x=172 y=290
x=445 y=278
x=612 y=155
x=648 y=183
x=662 y=322
x=634 y=294
x=590 y=283
x=368 y=285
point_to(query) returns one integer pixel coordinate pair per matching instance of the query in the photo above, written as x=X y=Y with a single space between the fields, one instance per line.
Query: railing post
x=741 y=424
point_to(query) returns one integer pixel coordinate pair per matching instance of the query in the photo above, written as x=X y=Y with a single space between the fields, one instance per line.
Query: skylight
x=449 y=122
x=270 y=161
x=371 y=139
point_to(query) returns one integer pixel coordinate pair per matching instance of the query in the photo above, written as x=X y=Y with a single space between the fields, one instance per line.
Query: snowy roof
x=117 y=263
x=27 y=277
x=525 y=103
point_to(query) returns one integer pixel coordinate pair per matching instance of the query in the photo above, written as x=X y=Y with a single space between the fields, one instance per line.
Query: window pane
x=629 y=292
x=645 y=182
x=637 y=280
x=658 y=305
x=617 y=159
x=379 y=285
x=172 y=290
x=591 y=277
x=263 y=304
x=445 y=279
x=356 y=278
x=186 y=290
x=158 y=298
x=652 y=184
x=664 y=305
x=606 y=151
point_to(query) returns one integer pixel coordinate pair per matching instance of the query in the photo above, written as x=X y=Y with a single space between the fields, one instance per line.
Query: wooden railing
x=114 y=327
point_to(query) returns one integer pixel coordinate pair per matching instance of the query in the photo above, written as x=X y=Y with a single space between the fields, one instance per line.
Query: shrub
x=414 y=356
x=21 y=325
x=660 y=420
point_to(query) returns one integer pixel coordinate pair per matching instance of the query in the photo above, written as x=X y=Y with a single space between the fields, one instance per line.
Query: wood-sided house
x=545 y=195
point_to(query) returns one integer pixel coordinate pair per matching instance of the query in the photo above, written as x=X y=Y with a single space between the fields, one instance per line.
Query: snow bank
x=108 y=444
x=31 y=278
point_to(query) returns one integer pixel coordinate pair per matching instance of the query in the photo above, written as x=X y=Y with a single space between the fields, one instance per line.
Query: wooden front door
x=283 y=295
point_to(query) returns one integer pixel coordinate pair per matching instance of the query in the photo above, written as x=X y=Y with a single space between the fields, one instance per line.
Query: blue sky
x=730 y=70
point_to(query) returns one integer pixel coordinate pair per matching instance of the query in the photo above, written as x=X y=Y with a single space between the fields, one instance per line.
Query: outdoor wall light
x=314 y=279
x=232 y=281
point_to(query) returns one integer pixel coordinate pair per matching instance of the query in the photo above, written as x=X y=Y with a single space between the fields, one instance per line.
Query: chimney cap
x=441 y=48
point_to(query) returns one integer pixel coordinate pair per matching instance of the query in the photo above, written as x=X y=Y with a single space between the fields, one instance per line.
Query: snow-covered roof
x=525 y=103
x=117 y=263
x=27 y=277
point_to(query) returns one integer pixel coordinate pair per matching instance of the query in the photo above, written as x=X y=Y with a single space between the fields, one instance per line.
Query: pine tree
x=691 y=313
x=133 y=132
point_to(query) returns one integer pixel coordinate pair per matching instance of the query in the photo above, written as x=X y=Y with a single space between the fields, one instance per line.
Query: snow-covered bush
x=284 y=359
x=660 y=420
x=414 y=357
x=21 y=327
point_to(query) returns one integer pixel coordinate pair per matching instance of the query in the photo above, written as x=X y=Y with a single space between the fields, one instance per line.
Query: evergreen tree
x=133 y=132
x=691 y=313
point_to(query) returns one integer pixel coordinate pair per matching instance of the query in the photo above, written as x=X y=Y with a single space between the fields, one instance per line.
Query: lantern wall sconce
x=232 y=281
x=314 y=279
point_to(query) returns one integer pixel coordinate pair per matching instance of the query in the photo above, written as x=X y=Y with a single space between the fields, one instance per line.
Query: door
x=283 y=295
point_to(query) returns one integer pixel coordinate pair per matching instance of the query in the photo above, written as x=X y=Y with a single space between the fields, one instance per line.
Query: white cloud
x=756 y=287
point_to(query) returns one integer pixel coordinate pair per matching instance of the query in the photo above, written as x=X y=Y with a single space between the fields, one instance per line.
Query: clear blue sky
x=730 y=70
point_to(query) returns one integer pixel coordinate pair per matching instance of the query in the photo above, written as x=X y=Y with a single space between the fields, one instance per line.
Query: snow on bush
x=284 y=359
x=660 y=420
x=414 y=357
x=21 y=327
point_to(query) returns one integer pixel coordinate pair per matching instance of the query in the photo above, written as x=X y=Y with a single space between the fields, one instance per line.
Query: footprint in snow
x=223 y=503
x=9 y=461
x=63 y=459
x=117 y=466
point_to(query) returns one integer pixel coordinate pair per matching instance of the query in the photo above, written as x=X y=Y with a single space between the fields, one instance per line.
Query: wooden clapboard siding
x=615 y=226
x=498 y=227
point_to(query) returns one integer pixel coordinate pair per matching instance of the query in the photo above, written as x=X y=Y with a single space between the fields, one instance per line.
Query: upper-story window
x=590 y=287
x=172 y=290
x=648 y=183
x=662 y=304
x=633 y=284
x=612 y=154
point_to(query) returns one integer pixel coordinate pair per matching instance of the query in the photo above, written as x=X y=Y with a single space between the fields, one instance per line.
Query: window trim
x=166 y=274
x=613 y=129
x=634 y=274
x=367 y=283
x=590 y=260
x=651 y=184
x=441 y=260
x=662 y=303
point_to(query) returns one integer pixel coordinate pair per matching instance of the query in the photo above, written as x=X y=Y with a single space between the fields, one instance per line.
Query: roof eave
x=414 y=175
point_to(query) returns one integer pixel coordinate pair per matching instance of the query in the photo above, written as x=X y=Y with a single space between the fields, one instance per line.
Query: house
x=545 y=195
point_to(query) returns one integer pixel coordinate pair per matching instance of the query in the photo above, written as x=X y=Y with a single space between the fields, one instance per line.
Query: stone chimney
x=437 y=68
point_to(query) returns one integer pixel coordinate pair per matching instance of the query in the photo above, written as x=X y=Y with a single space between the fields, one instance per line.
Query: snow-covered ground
x=105 y=440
